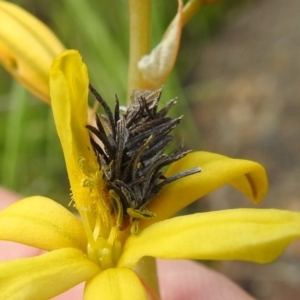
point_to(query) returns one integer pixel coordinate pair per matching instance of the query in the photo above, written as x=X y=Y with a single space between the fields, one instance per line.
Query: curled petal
x=156 y=66
x=69 y=95
x=41 y=223
x=247 y=176
x=27 y=48
x=44 y=276
x=117 y=283
x=255 y=235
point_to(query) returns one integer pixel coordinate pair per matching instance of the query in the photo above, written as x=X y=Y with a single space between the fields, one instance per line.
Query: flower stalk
x=140 y=30
x=147 y=271
x=190 y=9
x=140 y=27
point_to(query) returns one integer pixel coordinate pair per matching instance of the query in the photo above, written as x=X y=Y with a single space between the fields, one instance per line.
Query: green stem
x=140 y=23
x=146 y=269
x=190 y=9
x=13 y=137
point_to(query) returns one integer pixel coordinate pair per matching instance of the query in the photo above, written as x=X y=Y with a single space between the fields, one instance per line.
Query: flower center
x=130 y=149
x=103 y=251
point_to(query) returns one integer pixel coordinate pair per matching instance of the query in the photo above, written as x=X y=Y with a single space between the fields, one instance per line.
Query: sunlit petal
x=44 y=276
x=27 y=48
x=118 y=283
x=156 y=66
x=255 y=235
x=217 y=170
x=41 y=223
x=69 y=92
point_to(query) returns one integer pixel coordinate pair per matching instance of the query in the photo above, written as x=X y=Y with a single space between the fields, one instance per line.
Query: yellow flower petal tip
x=27 y=49
x=41 y=223
x=216 y=170
x=119 y=283
x=257 y=235
x=69 y=93
x=45 y=276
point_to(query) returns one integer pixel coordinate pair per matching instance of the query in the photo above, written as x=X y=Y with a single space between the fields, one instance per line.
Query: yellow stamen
x=118 y=209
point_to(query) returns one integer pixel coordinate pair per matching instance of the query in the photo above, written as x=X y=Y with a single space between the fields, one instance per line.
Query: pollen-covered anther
x=117 y=209
x=131 y=154
x=136 y=215
x=143 y=214
x=87 y=182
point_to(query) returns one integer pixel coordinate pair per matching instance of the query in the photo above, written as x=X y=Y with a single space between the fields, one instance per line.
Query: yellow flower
x=95 y=249
x=27 y=48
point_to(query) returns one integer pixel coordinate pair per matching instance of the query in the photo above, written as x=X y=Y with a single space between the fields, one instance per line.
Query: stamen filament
x=87 y=227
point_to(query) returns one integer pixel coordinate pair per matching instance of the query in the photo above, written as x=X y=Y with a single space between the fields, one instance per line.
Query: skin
x=178 y=279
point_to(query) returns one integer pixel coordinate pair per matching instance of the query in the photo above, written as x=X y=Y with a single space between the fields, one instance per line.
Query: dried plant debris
x=130 y=149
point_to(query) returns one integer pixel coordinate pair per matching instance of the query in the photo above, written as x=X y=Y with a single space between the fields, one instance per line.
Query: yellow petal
x=27 y=49
x=157 y=66
x=41 y=223
x=217 y=170
x=117 y=283
x=44 y=276
x=255 y=235
x=69 y=96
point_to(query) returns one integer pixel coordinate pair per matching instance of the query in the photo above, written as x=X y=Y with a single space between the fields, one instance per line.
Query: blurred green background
x=31 y=161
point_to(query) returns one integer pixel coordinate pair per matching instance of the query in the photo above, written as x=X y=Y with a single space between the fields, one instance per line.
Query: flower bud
x=27 y=49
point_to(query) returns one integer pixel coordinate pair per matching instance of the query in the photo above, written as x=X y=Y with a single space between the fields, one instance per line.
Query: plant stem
x=140 y=15
x=146 y=269
x=13 y=137
x=190 y=9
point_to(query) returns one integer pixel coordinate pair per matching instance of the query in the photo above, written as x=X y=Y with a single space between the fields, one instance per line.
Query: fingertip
x=7 y=197
x=183 y=279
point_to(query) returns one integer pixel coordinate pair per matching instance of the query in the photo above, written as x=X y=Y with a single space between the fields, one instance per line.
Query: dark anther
x=130 y=148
